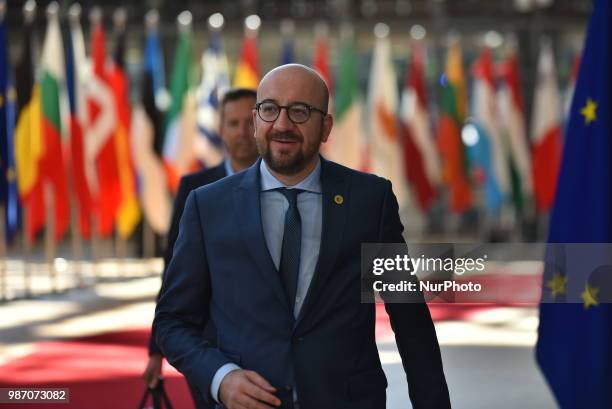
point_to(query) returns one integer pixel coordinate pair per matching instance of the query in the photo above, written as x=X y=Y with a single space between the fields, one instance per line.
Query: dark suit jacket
x=222 y=270
x=188 y=183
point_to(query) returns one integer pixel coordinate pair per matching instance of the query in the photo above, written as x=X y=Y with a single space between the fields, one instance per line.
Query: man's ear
x=328 y=123
x=254 y=115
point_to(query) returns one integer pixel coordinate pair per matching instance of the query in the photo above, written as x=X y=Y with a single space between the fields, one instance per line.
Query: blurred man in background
x=237 y=133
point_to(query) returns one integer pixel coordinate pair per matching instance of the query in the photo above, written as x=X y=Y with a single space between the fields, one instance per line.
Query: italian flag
x=346 y=144
x=181 y=121
x=512 y=112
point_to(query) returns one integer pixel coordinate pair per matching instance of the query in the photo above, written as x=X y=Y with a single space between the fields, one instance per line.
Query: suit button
x=288 y=388
x=296 y=340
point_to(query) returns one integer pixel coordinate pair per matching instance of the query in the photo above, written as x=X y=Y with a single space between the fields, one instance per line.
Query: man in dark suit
x=236 y=131
x=272 y=256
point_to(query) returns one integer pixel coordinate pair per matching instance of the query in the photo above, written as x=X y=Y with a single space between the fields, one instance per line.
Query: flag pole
x=148 y=244
x=120 y=252
x=77 y=242
x=119 y=22
x=3 y=255
x=50 y=247
x=27 y=254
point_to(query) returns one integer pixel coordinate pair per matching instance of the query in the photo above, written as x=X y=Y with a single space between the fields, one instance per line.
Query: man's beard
x=287 y=165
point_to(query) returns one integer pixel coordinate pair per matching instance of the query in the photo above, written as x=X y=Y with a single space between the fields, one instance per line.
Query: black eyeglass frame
x=287 y=107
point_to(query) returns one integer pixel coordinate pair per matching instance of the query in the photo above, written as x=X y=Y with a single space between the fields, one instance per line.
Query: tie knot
x=291 y=195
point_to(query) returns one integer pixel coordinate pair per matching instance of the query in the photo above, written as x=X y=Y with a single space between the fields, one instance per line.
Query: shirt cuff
x=218 y=378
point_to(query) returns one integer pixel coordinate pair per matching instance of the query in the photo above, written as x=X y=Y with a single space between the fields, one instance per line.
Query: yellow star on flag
x=10 y=175
x=557 y=284
x=589 y=296
x=589 y=111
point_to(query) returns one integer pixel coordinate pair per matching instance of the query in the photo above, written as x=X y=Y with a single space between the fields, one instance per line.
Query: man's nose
x=283 y=123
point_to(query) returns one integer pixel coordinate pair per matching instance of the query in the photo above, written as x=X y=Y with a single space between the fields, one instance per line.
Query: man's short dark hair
x=234 y=94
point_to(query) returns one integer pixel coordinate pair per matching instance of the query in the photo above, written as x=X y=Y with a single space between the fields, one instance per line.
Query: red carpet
x=103 y=371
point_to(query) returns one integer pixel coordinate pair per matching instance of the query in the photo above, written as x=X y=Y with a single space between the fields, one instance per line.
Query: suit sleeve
x=185 y=187
x=414 y=330
x=183 y=307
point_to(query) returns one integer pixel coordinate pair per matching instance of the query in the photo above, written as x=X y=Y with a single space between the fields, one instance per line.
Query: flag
x=574 y=348
x=452 y=116
x=247 y=71
x=512 y=115
x=52 y=160
x=28 y=141
x=320 y=63
x=180 y=122
x=546 y=139
x=215 y=81
x=487 y=153
x=128 y=211
x=569 y=90
x=146 y=135
x=8 y=182
x=77 y=78
x=154 y=82
x=288 y=45
x=422 y=164
x=346 y=144
x=101 y=152
x=287 y=51
x=385 y=146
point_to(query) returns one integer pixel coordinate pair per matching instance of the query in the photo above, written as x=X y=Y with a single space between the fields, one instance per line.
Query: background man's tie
x=292 y=240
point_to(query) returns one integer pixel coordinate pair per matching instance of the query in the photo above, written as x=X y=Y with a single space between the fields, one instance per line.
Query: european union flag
x=574 y=348
x=8 y=180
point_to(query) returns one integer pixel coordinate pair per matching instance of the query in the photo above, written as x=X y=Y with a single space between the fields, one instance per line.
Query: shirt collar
x=311 y=183
x=228 y=167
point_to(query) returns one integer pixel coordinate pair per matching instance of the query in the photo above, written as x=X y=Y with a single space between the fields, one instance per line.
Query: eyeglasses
x=298 y=112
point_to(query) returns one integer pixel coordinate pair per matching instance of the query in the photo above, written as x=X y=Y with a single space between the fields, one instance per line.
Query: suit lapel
x=248 y=214
x=335 y=191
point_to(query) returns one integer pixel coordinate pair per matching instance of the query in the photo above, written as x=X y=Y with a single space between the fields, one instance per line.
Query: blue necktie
x=289 y=267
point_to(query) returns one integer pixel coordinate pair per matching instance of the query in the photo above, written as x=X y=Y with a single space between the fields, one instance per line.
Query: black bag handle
x=158 y=394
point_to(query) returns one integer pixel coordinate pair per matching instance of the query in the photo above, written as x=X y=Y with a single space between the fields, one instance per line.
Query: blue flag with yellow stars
x=8 y=180
x=574 y=348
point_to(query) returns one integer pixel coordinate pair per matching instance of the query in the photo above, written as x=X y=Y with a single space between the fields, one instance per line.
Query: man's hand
x=152 y=372
x=242 y=389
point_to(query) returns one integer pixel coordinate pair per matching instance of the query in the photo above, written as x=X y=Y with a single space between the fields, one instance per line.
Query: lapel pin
x=339 y=199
